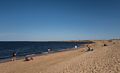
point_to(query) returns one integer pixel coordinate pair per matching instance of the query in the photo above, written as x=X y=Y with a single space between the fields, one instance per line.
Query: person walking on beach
x=13 y=56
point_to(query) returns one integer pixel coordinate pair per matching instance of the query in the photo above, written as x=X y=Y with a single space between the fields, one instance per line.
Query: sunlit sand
x=103 y=59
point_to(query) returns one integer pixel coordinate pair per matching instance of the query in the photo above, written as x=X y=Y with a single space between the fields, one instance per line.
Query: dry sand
x=103 y=59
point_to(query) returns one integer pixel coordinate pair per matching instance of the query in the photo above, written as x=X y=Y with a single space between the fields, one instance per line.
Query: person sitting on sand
x=13 y=56
x=88 y=48
x=28 y=57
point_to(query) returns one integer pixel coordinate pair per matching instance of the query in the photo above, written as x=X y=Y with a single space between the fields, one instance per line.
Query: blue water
x=26 y=48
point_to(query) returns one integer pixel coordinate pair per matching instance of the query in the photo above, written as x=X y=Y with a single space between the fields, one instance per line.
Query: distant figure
x=76 y=46
x=113 y=42
x=88 y=48
x=13 y=56
x=104 y=44
x=49 y=50
x=29 y=57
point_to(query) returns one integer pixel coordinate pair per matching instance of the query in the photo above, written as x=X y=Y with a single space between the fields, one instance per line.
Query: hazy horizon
x=59 y=20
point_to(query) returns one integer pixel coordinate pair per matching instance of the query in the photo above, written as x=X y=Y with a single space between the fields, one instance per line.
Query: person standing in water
x=76 y=46
x=49 y=50
x=13 y=56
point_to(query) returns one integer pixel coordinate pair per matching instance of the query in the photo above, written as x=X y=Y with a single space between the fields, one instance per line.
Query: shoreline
x=104 y=58
x=41 y=54
x=26 y=48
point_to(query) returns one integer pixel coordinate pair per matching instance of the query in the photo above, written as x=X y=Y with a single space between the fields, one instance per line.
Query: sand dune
x=103 y=59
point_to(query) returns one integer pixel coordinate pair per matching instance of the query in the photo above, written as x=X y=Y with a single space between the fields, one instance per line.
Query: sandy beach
x=103 y=59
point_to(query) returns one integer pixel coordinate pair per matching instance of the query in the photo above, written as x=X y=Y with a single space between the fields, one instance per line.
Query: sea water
x=25 y=48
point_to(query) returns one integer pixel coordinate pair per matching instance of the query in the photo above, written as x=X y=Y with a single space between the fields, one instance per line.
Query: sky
x=58 y=20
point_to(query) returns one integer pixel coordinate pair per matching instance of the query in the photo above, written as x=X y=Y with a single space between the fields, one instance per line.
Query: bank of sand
x=103 y=59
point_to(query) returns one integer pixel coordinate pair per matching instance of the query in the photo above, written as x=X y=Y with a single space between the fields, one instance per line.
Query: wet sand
x=103 y=59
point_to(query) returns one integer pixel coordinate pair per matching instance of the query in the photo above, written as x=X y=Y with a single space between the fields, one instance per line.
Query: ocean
x=26 y=48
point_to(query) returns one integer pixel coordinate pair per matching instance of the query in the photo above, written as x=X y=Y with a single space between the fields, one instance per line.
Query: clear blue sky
x=51 y=20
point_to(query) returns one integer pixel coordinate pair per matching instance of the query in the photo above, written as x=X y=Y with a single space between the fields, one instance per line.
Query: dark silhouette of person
x=13 y=56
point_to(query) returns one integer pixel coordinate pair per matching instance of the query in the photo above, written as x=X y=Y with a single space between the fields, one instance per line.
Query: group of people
x=27 y=57
x=30 y=57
